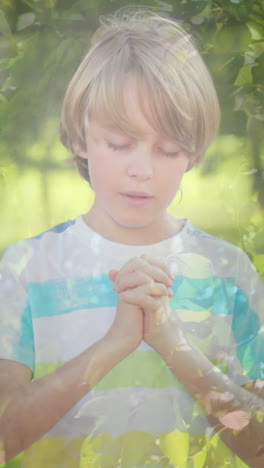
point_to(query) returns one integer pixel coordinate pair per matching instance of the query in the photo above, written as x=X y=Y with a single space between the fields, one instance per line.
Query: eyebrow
x=116 y=128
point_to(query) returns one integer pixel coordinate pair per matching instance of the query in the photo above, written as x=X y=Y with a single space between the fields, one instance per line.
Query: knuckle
x=137 y=262
x=150 y=287
x=157 y=289
x=150 y=282
x=132 y=262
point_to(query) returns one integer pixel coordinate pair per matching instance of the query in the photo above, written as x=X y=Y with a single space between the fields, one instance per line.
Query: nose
x=140 y=165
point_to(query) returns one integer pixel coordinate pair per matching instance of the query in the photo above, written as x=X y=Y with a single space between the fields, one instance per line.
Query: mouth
x=137 y=194
x=137 y=198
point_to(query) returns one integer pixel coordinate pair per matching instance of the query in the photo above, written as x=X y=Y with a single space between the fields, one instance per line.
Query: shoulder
x=31 y=253
x=57 y=229
x=210 y=244
x=227 y=259
x=228 y=264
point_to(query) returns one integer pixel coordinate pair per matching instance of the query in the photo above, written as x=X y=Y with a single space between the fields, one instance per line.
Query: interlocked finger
x=143 y=267
x=157 y=289
x=147 y=296
x=131 y=279
x=158 y=263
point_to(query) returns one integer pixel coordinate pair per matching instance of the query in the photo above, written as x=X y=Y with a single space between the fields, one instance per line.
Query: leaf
x=258 y=70
x=239 y=9
x=4 y=26
x=258 y=19
x=164 y=6
x=50 y=4
x=244 y=76
x=199 y=458
x=25 y=20
x=259 y=263
x=259 y=416
x=232 y=39
x=175 y=446
x=189 y=8
x=256 y=29
x=236 y=420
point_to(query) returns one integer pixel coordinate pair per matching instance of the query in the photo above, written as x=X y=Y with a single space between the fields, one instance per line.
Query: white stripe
x=123 y=410
x=62 y=337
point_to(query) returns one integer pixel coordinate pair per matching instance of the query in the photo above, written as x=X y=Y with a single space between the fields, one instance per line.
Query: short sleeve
x=247 y=354
x=16 y=331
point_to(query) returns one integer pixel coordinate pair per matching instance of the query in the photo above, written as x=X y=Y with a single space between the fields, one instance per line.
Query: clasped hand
x=143 y=310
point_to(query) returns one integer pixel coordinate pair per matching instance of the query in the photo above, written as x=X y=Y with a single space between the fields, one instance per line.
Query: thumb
x=112 y=274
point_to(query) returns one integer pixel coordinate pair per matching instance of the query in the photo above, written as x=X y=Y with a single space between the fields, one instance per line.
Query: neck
x=159 y=230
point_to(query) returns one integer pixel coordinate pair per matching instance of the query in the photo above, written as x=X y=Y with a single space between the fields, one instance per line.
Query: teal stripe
x=56 y=297
x=249 y=337
x=216 y=295
x=24 y=351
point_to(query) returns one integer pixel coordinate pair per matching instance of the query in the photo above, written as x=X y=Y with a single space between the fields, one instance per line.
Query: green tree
x=43 y=41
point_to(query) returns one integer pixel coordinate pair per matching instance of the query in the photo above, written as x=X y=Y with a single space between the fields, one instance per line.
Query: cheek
x=97 y=175
x=172 y=184
x=180 y=169
x=102 y=170
x=174 y=173
x=171 y=180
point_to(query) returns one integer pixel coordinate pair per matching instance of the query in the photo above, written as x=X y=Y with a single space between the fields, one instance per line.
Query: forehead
x=132 y=110
x=135 y=132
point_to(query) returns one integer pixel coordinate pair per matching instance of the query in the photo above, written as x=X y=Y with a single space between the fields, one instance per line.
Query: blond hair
x=161 y=56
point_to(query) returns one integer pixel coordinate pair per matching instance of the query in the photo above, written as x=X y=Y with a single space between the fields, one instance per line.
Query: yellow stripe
x=56 y=452
x=131 y=450
x=139 y=369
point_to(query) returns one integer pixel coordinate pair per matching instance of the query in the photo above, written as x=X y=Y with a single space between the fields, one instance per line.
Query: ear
x=79 y=150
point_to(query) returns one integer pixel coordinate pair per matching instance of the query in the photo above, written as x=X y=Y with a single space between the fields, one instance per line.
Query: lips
x=137 y=194
x=136 y=199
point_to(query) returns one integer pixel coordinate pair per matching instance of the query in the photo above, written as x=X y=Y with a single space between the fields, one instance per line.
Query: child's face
x=134 y=178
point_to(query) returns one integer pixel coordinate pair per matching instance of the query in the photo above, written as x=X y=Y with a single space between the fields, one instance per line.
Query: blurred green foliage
x=42 y=43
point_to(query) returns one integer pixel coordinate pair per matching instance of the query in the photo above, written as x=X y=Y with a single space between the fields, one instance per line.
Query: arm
x=236 y=413
x=29 y=409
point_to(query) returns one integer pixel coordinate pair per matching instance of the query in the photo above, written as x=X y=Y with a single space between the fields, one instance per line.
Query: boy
x=131 y=338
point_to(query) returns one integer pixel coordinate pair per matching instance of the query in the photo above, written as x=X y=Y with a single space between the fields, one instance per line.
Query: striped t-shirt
x=57 y=300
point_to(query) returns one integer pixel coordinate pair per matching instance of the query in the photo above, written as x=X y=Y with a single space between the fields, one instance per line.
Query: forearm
x=29 y=412
x=236 y=413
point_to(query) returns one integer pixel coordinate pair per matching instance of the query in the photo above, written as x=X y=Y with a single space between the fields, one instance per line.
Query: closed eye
x=117 y=147
x=170 y=154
